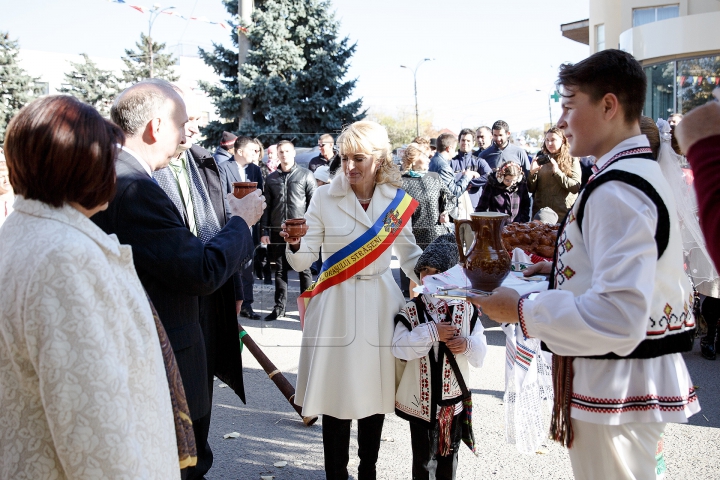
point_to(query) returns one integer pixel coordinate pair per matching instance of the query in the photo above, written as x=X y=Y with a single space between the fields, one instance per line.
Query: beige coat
x=83 y=388
x=555 y=190
x=347 y=368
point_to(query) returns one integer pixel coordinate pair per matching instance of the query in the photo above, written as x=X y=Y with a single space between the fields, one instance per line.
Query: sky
x=489 y=58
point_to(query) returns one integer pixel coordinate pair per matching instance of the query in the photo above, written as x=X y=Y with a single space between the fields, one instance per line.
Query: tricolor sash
x=364 y=250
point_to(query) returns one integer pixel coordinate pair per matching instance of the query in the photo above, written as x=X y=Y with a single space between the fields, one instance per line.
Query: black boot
x=707 y=348
x=369 y=437
x=275 y=314
x=336 y=446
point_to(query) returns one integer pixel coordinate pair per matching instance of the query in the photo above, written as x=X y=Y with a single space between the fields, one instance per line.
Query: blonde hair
x=412 y=152
x=562 y=156
x=371 y=139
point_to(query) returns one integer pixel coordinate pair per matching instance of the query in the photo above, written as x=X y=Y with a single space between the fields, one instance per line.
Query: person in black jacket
x=186 y=276
x=288 y=191
x=506 y=192
x=327 y=157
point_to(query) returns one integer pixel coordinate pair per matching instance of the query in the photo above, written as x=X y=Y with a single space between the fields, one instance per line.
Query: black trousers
x=711 y=311
x=248 y=280
x=282 y=267
x=427 y=463
x=336 y=445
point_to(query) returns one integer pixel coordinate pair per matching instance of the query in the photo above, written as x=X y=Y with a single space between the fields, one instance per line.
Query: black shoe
x=268 y=281
x=249 y=313
x=707 y=350
x=276 y=312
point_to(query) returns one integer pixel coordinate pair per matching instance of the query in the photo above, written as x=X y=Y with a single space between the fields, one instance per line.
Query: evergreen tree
x=17 y=88
x=293 y=75
x=92 y=85
x=138 y=63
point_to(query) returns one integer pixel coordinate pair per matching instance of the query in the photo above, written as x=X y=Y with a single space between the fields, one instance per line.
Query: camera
x=542 y=159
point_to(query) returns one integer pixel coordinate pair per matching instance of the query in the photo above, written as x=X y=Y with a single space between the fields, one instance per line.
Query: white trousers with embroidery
x=618 y=452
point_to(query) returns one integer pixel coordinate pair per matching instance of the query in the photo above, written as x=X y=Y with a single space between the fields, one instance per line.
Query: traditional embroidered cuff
x=522 y=317
x=433 y=332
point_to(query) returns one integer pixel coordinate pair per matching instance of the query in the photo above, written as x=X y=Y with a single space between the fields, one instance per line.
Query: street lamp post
x=417 y=116
x=155 y=11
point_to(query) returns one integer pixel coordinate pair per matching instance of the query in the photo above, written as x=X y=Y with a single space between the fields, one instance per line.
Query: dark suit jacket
x=176 y=269
x=230 y=172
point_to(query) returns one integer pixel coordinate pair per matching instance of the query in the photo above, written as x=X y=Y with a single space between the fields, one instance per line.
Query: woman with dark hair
x=506 y=192
x=83 y=384
x=555 y=175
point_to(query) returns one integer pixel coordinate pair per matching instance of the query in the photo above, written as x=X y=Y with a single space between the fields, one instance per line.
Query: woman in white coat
x=347 y=369
x=83 y=385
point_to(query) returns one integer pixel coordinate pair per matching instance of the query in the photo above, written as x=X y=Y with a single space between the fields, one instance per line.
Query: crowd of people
x=131 y=260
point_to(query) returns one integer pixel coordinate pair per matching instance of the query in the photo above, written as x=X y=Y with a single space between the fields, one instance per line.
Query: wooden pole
x=275 y=375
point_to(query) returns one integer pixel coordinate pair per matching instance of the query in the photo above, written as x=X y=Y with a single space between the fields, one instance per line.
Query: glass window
x=599 y=37
x=659 y=101
x=641 y=16
x=696 y=78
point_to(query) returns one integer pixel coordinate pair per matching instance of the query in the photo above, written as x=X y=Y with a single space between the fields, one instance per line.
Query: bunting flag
x=697 y=80
x=143 y=9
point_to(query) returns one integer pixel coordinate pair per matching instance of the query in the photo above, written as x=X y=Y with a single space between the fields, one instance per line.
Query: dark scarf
x=187 y=451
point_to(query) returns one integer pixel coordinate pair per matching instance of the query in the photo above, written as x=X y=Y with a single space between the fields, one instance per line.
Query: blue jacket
x=439 y=165
x=494 y=157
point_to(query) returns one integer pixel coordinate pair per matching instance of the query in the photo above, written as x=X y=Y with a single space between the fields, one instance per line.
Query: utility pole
x=245 y=9
x=155 y=11
x=417 y=115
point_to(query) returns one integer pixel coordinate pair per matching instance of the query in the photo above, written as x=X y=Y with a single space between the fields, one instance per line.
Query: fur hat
x=546 y=215
x=227 y=140
x=441 y=254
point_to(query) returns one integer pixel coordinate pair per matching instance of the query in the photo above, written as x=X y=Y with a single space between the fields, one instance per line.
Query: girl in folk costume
x=439 y=340
x=347 y=369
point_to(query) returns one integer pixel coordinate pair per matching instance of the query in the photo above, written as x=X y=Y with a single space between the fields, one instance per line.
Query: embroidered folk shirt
x=423 y=341
x=612 y=316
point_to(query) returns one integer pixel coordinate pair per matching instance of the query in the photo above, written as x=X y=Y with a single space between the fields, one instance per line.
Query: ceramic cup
x=241 y=189
x=296 y=227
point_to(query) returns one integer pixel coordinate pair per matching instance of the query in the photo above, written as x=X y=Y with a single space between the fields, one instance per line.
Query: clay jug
x=487 y=262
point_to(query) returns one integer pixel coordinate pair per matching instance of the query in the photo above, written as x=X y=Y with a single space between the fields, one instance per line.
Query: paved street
x=270 y=430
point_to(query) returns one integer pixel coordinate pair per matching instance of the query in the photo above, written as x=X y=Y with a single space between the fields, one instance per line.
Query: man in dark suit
x=241 y=168
x=175 y=266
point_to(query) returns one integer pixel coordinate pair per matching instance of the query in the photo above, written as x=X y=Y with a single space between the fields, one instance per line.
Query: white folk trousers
x=618 y=452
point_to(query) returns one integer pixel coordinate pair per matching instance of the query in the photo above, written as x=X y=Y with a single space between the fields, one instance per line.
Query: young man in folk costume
x=439 y=340
x=619 y=311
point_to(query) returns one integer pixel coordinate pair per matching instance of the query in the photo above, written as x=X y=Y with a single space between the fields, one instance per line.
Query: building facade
x=678 y=44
